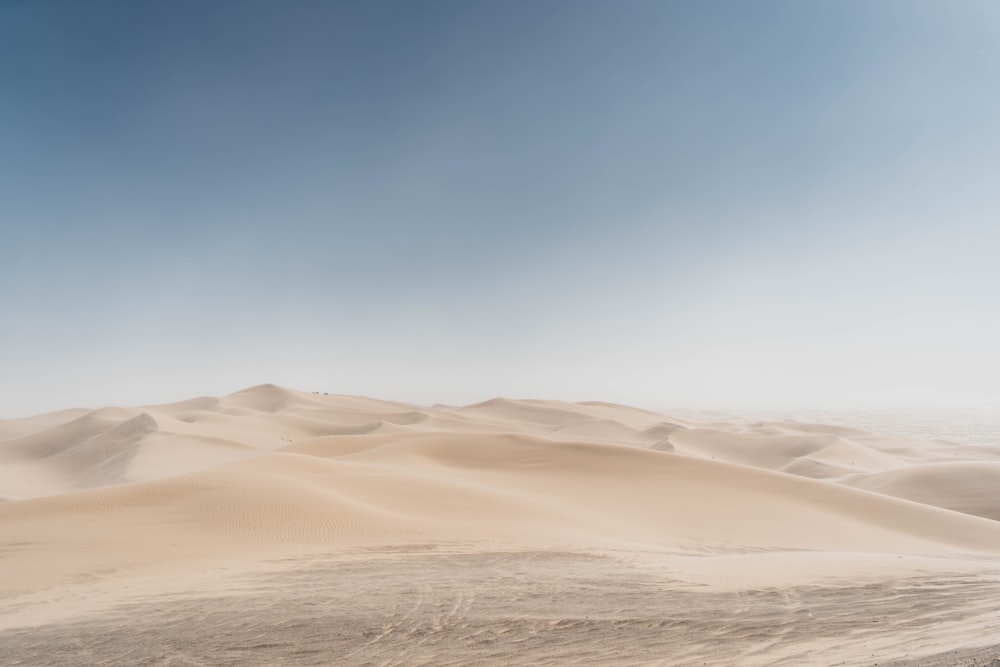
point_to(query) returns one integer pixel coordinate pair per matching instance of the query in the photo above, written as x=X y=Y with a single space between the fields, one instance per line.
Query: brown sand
x=278 y=527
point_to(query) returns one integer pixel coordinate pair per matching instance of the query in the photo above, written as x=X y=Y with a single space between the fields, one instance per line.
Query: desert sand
x=273 y=526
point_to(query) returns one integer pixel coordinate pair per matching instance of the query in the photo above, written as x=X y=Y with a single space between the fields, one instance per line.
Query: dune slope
x=270 y=472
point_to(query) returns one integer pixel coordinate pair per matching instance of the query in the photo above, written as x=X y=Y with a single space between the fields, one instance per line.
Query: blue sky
x=664 y=203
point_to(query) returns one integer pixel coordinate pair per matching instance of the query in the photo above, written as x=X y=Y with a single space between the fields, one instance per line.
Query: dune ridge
x=270 y=472
x=537 y=453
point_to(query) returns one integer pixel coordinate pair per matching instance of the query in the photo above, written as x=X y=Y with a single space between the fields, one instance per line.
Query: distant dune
x=101 y=504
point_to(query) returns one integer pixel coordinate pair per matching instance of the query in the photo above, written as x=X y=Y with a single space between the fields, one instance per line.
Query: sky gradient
x=691 y=204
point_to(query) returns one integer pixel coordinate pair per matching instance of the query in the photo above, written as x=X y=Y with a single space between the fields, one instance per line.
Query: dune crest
x=268 y=473
x=208 y=436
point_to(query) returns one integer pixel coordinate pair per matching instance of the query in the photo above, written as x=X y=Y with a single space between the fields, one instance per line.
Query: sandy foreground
x=279 y=527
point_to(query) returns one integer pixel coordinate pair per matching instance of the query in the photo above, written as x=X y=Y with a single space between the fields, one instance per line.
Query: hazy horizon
x=769 y=204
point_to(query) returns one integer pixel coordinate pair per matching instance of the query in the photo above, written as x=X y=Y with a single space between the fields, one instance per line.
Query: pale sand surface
x=279 y=527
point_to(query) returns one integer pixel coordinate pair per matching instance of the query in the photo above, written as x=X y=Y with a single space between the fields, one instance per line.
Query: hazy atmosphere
x=500 y=332
x=661 y=203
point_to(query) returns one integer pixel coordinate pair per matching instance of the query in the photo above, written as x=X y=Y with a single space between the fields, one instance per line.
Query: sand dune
x=965 y=486
x=14 y=429
x=157 y=493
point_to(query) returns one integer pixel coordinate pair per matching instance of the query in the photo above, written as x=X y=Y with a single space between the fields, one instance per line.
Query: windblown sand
x=278 y=527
